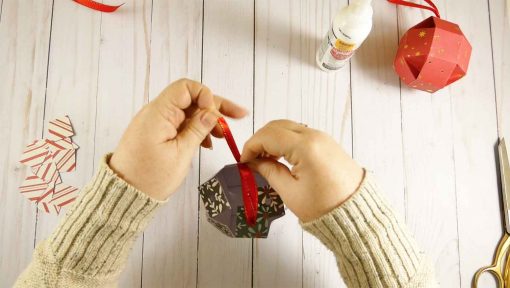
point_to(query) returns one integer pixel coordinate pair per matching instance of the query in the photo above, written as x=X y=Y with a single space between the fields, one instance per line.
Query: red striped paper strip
x=60 y=128
x=63 y=195
x=34 y=154
x=34 y=188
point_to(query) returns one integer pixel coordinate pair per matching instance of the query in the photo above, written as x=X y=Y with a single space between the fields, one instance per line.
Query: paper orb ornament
x=432 y=55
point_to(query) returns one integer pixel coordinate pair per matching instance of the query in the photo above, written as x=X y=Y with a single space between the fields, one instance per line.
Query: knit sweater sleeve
x=372 y=247
x=90 y=246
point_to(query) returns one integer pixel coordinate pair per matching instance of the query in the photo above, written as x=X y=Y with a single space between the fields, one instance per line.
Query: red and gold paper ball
x=432 y=55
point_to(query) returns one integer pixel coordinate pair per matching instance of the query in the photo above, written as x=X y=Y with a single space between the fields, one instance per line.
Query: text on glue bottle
x=349 y=29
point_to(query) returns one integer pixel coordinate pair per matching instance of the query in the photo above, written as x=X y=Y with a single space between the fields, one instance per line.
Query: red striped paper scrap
x=60 y=128
x=47 y=158
x=34 y=154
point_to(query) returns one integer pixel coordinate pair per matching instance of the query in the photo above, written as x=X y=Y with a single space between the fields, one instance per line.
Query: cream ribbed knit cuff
x=371 y=246
x=98 y=233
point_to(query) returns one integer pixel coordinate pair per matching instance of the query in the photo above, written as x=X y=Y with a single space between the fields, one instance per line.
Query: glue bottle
x=349 y=29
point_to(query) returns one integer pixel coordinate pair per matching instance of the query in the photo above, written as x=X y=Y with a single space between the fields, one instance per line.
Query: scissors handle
x=492 y=270
x=499 y=267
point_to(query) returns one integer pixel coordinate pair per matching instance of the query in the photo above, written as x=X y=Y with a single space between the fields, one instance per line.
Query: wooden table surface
x=434 y=155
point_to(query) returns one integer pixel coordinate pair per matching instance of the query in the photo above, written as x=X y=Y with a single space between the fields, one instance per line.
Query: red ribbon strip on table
x=432 y=7
x=98 y=6
x=248 y=184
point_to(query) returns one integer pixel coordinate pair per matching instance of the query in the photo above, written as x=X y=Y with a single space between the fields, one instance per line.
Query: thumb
x=195 y=131
x=277 y=174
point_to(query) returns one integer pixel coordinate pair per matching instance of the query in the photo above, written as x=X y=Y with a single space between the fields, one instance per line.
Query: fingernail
x=209 y=119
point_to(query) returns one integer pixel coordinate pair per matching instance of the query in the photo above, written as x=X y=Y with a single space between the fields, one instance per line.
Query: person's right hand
x=322 y=177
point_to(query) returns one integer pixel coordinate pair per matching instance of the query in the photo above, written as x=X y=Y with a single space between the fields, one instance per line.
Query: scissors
x=500 y=266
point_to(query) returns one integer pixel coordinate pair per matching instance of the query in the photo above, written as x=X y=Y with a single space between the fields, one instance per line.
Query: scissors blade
x=504 y=168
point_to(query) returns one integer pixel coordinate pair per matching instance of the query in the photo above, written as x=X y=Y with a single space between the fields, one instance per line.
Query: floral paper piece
x=47 y=158
x=224 y=207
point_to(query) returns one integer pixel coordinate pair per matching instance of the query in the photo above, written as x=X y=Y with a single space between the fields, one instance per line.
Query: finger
x=229 y=108
x=184 y=92
x=288 y=124
x=196 y=130
x=275 y=140
x=277 y=175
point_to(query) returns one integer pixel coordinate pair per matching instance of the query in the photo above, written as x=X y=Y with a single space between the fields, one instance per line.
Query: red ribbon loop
x=248 y=183
x=98 y=6
x=432 y=7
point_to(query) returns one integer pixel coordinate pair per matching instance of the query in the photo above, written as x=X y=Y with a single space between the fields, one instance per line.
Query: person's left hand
x=155 y=152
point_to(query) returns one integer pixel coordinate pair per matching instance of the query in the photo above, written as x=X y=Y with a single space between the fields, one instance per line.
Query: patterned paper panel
x=63 y=195
x=34 y=154
x=62 y=144
x=229 y=216
x=65 y=160
x=60 y=128
x=43 y=205
x=34 y=188
x=47 y=158
x=48 y=171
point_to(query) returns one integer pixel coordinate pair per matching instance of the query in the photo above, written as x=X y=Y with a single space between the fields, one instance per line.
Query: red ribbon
x=98 y=6
x=248 y=183
x=432 y=6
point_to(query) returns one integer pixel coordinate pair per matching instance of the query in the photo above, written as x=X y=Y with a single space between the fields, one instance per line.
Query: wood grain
x=24 y=44
x=170 y=242
x=277 y=260
x=500 y=31
x=325 y=105
x=228 y=71
x=72 y=90
x=434 y=155
x=121 y=90
x=376 y=119
x=428 y=150
x=475 y=137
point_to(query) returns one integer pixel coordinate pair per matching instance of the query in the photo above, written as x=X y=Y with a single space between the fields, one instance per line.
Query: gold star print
x=422 y=34
x=417 y=53
x=405 y=46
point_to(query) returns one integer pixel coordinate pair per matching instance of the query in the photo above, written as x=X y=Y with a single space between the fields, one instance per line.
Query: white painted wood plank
x=326 y=105
x=290 y=85
x=1 y=7
x=377 y=136
x=122 y=86
x=228 y=71
x=277 y=260
x=500 y=31
x=475 y=136
x=429 y=168
x=170 y=242
x=24 y=43
x=72 y=90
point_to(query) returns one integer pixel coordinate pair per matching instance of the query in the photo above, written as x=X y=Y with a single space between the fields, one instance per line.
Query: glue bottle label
x=333 y=52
